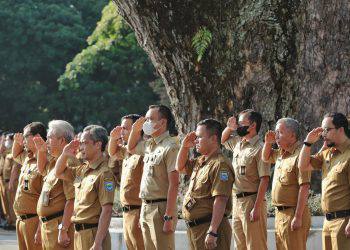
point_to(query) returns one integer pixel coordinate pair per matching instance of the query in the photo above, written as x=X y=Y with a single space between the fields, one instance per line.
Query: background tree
x=282 y=58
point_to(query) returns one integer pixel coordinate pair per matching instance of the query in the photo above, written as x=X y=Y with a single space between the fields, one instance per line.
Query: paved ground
x=8 y=240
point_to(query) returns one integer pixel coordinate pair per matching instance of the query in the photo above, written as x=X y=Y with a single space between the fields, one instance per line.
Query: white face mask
x=8 y=144
x=148 y=128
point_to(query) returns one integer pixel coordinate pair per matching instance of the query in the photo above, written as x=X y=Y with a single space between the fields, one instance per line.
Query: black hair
x=165 y=113
x=253 y=116
x=132 y=117
x=36 y=128
x=98 y=134
x=340 y=121
x=214 y=127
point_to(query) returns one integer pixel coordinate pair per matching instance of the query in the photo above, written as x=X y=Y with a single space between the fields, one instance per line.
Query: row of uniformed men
x=150 y=179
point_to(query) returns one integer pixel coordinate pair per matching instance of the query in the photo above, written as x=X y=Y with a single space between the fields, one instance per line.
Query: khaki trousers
x=333 y=234
x=84 y=239
x=286 y=239
x=132 y=231
x=197 y=234
x=152 y=222
x=26 y=230
x=247 y=234
x=49 y=235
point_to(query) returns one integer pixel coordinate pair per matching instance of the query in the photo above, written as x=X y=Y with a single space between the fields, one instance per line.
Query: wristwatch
x=62 y=228
x=167 y=217
x=213 y=234
x=308 y=144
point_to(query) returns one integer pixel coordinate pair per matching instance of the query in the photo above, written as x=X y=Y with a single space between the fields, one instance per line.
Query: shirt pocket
x=339 y=174
x=288 y=176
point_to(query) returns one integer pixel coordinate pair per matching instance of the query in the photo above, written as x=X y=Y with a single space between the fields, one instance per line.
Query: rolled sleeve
x=231 y=143
x=263 y=167
x=20 y=158
x=68 y=190
x=140 y=148
x=316 y=160
x=304 y=177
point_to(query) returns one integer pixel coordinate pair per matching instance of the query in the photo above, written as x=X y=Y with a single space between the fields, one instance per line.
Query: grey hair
x=62 y=128
x=292 y=125
x=98 y=133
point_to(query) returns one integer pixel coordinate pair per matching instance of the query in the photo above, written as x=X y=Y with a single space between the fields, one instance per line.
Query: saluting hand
x=18 y=138
x=314 y=135
x=139 y=123
x=189 y=140
x=270 y=137
x=232 y=123
x=40 y=144
x=116 y=133
x=71 y=148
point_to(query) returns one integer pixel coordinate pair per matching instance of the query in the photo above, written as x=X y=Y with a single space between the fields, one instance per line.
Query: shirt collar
x=292 y=148
x=252 y=141
x=160 y=138
x=97 y=163
x=342 y=147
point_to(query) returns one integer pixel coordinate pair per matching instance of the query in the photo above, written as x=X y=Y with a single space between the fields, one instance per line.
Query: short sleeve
x=231 y=143
x=303 y=176
x=106 y=188
x=170 y=158
x=263 y=167
x=120 y=154
x=140 y=148
x=190 y=166
x=68 y=190
x=222 y=178
x=316 y=160
x=273 y=156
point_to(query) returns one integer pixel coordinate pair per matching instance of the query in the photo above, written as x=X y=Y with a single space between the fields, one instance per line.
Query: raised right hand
x=40 y=144
x=18 y=138
x=116 y=133
x=270 y=137
x=314 y=135
x=232 y=123
x=139 y=123
x=71 y=148
x=189 y=140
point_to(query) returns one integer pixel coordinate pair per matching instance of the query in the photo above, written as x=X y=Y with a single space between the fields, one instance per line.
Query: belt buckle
x=328 y=216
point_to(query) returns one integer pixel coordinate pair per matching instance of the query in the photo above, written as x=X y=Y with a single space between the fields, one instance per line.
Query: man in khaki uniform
x=290 y=188
x=334 y=162
x=160 y=180
x=131 y=173
x=94 y=188
x=10 y=179
x=29 y=186
x=251 y=181
x=207 y=202
x=56 y=201
x=3 y=198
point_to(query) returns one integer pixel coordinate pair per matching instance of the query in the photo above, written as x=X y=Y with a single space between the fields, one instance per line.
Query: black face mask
x=331 y=144
x=242 y=130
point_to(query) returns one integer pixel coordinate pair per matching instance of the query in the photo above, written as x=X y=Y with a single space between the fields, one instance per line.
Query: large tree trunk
x=282 y=58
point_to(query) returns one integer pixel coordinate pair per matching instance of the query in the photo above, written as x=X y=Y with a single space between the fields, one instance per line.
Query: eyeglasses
x=326 y=130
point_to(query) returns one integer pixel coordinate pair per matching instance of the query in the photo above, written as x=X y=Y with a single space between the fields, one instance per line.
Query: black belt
x=52 y=216
x=128 y=208
x=26 y=216
x=245 y=194
x=281 y=208
x=83 y=226
x=7 y=180
x=337 y=214
x=196 y=222
x=154 y=201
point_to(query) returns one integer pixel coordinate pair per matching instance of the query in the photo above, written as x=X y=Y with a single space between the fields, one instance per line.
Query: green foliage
x=201 y=41
x=109 y=78
x=38 y=38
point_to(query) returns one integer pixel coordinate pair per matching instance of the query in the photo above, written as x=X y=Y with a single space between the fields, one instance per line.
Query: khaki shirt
x=94 y=187
x=247 y=164
x=29 y=185
x=2 y=161
x=335 y=166
x=208 y=179
x=287 y=176
x=55 y=192
x=9 y=164
x=131 y=174
x=159 y=159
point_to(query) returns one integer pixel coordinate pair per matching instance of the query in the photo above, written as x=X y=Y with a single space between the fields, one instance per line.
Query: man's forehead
x=327 y=122
x=243 y=117
x=152 y=113
x=26 y=132
x=200 y=130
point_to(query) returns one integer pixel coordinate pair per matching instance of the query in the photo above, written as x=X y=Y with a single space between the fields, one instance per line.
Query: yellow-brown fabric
x=84 y=239
x=333 y=234
x=132 y=230
x=209 y=178
x=26 y=230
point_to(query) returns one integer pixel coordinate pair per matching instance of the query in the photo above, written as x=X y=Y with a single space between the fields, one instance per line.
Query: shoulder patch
x=109 y=186
x=223 y=175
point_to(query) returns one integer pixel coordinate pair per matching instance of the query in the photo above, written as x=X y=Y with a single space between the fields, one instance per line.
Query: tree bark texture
x=279 y=57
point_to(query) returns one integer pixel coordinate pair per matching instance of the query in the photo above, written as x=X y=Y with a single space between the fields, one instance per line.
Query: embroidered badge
x=223 y=175
x=109 y=186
